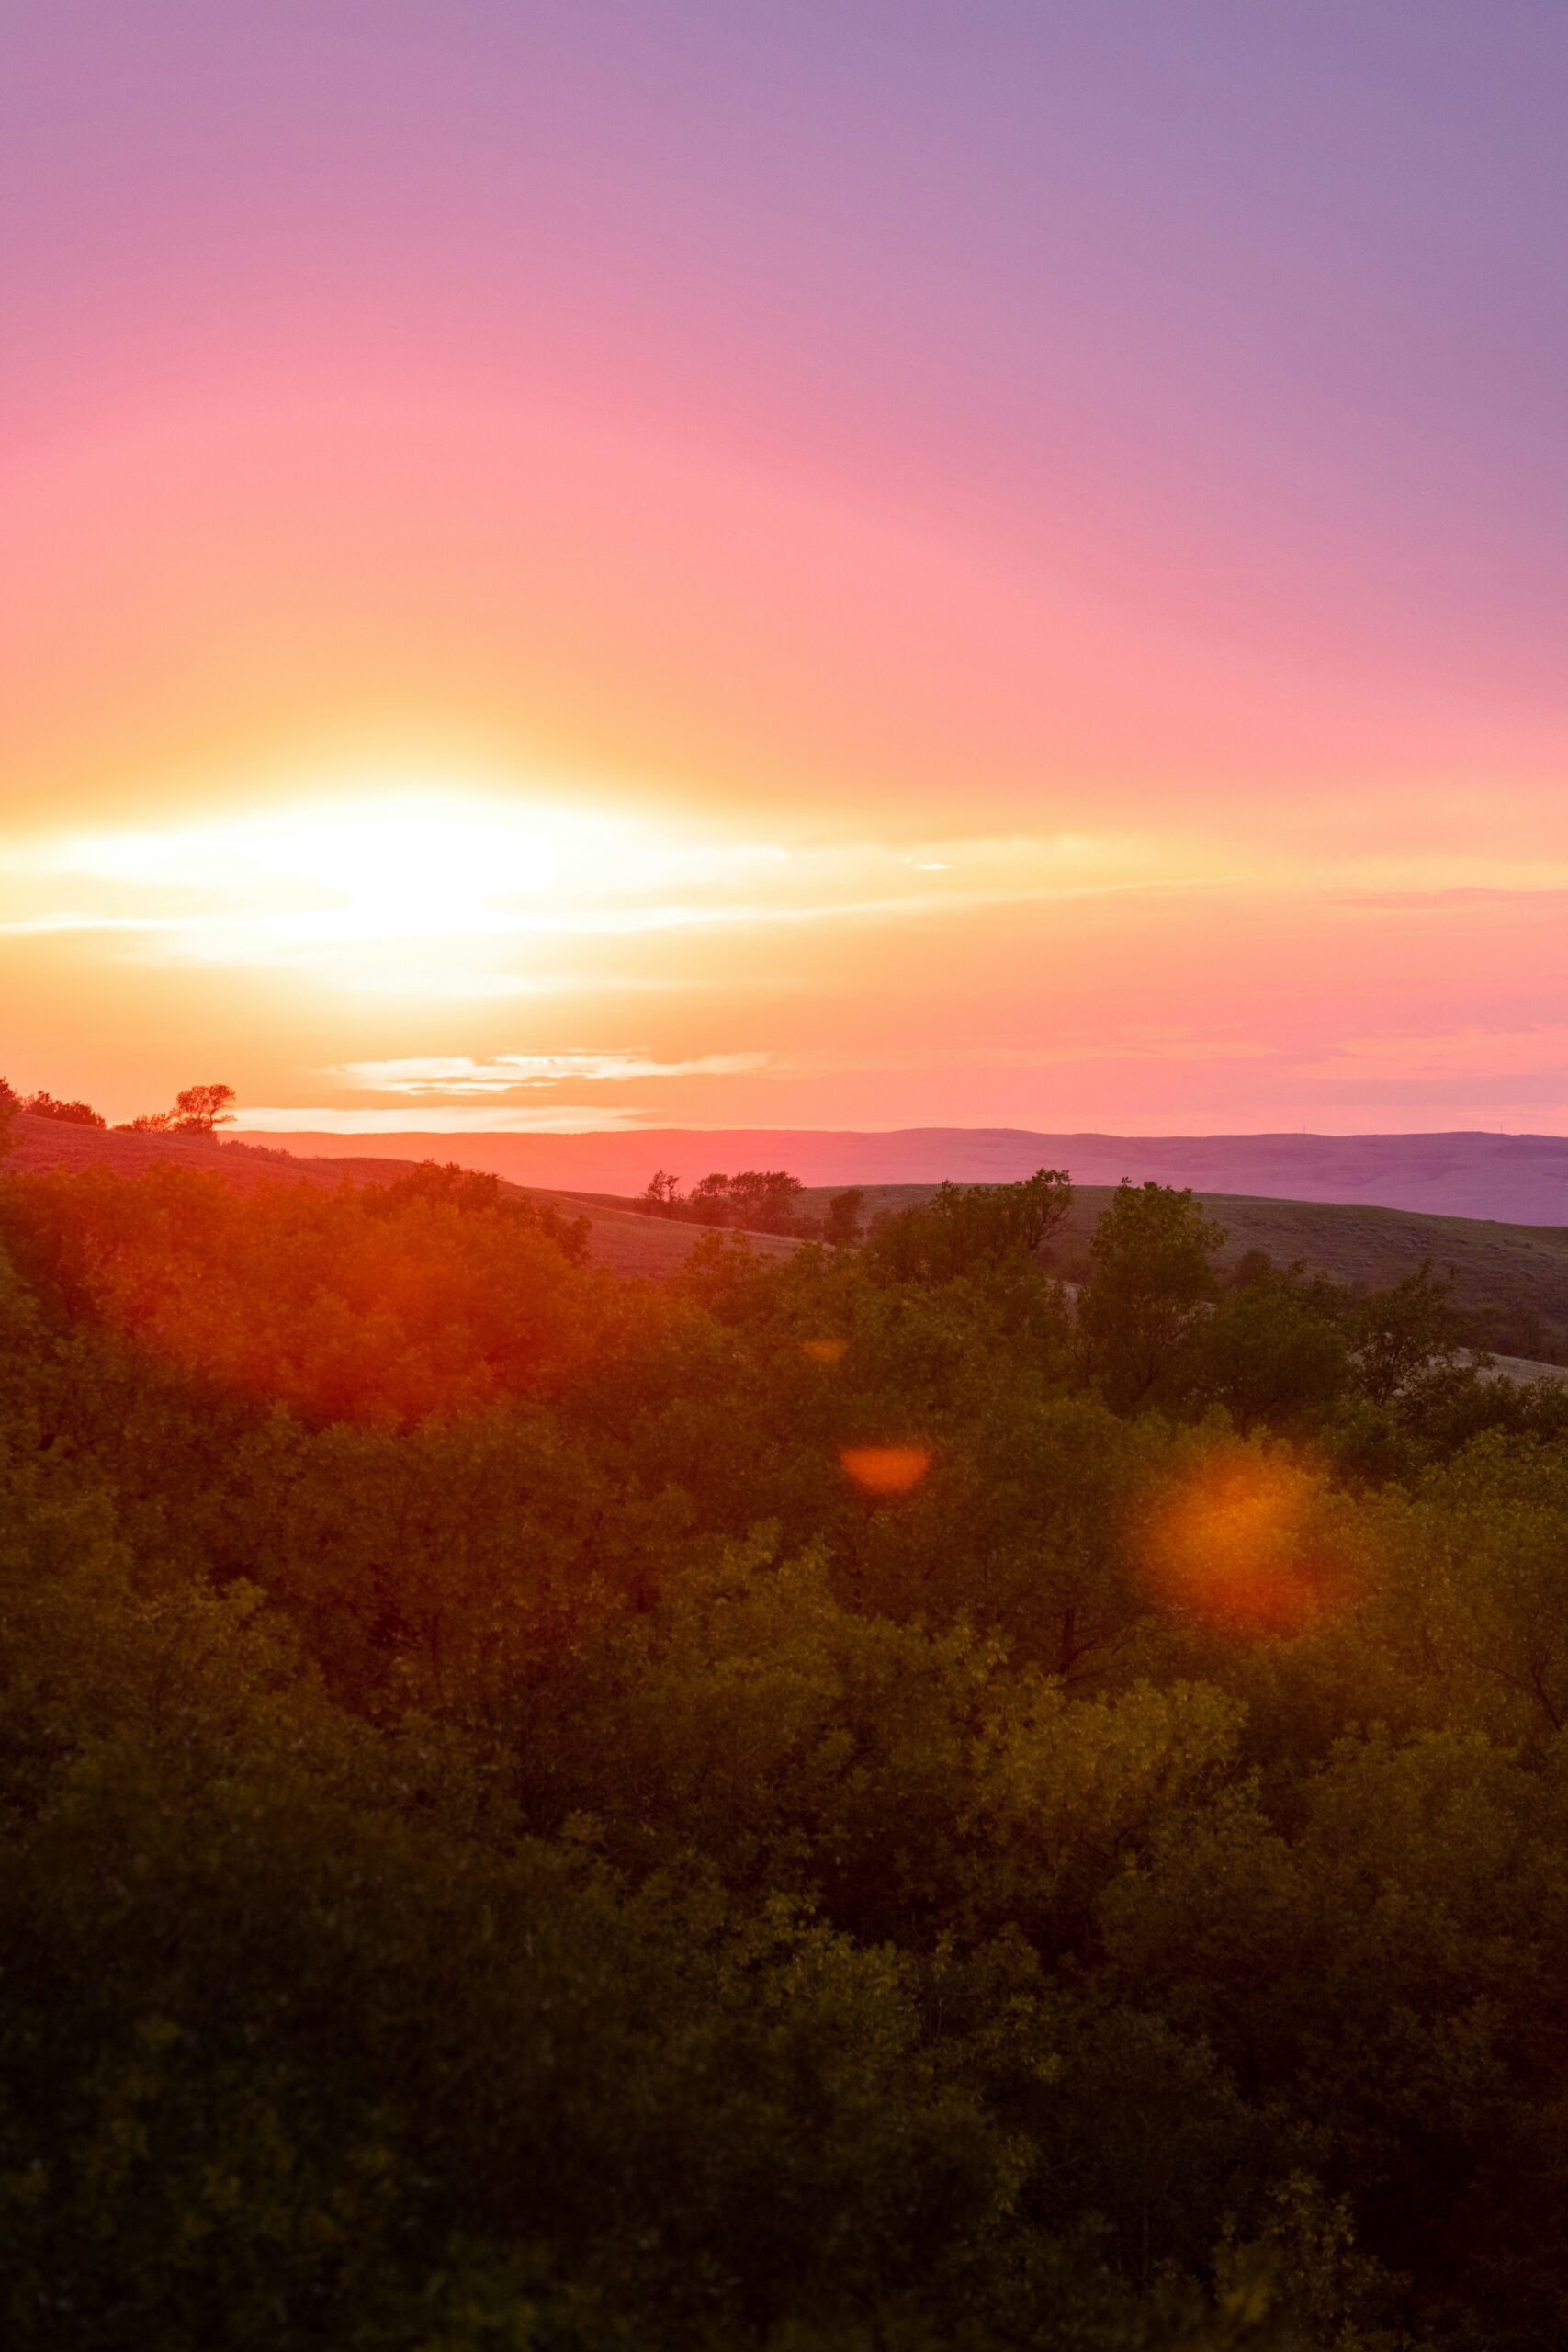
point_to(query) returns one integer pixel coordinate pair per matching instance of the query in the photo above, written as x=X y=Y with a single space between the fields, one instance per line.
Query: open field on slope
x=626 y=1242
x=1528 y=1368
x=619 y=1239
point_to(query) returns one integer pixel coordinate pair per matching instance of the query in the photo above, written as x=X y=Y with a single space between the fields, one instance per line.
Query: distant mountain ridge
x=1520 y=1180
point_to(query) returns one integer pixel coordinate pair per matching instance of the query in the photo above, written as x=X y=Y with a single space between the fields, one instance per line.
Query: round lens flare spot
x=885 y=1469
x=1241 y=1543
x=823 y=1350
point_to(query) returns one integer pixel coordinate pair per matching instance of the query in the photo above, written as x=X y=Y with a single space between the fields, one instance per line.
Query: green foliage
x=469 y=1190
x=980 y=1231
x=1153 y=1276
x=759 y=1200
x=393 y=1304
x=1485 y=1590
x=505 y=1842
x=1271 y=1355
x=1404 y=1331
x=44 y=1105
x=841 y=1226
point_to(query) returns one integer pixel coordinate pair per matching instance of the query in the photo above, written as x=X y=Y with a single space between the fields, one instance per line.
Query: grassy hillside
x=1510 y=1281
x=619 y=1239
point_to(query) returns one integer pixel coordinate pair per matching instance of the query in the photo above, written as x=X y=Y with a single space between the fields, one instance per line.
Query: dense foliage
x=513 y=1833
x=760 y=1200
x=73 y=1114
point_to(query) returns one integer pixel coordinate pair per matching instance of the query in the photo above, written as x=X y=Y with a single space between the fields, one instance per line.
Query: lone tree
x=840 y=1227
x=1404 y=1331
x=197 y=1110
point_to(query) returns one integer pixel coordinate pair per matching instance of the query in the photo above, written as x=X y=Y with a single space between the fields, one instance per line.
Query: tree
x=199 y=1109
x=1268 y=1352
x=708 y=1200
x=840 y=1227
x=43 y=1105
x=1404 y=1331
x=980 y=1230
x=661 y=1196
x=10 y=1103
x=1487 y=1586
x=1152 y=1284
x=765 y=1199
x=474 y=1193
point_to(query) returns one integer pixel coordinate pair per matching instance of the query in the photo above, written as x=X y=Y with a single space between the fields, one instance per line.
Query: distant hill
x=1520 y=1179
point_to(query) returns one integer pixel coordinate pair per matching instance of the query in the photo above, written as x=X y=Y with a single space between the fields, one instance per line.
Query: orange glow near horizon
x=379 y=952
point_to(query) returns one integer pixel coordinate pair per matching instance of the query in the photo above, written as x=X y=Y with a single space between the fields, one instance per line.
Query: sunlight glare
x=405 y=863
x=407 y=869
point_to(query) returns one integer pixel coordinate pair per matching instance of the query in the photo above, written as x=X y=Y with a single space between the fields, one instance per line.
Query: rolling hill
x=620 y=1240
x=1510 y=1281
x=1520 y=1179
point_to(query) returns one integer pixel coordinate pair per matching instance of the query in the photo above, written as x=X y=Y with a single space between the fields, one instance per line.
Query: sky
x=832 y=563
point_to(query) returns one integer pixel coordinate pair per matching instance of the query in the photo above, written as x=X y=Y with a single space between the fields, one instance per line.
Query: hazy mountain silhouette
x=1521 y=1180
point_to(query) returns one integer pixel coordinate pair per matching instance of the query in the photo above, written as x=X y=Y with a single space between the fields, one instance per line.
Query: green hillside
x=1510 y=1281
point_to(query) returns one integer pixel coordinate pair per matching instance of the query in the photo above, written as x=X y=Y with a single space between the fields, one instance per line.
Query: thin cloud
x=448 y=1074
x=439 y=1118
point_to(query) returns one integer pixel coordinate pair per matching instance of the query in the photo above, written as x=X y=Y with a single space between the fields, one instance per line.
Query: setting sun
x=397 y=863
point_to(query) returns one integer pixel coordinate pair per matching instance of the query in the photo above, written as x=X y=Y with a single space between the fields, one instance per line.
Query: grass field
x=1510 y=1281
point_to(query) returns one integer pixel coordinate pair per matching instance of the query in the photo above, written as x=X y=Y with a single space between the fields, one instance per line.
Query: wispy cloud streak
x=444 y=1075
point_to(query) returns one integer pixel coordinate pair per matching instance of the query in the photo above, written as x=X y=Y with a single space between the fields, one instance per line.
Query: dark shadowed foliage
x=507 y=1839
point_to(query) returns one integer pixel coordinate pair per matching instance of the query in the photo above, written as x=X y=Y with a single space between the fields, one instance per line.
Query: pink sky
x=825 y=565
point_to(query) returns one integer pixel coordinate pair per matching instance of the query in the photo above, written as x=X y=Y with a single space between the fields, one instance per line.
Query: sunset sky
x=829 y=563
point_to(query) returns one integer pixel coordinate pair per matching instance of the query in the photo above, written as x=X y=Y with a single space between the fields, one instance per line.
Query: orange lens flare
x=885 y=1469
x=823 y=1350
x=1241 y=1543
